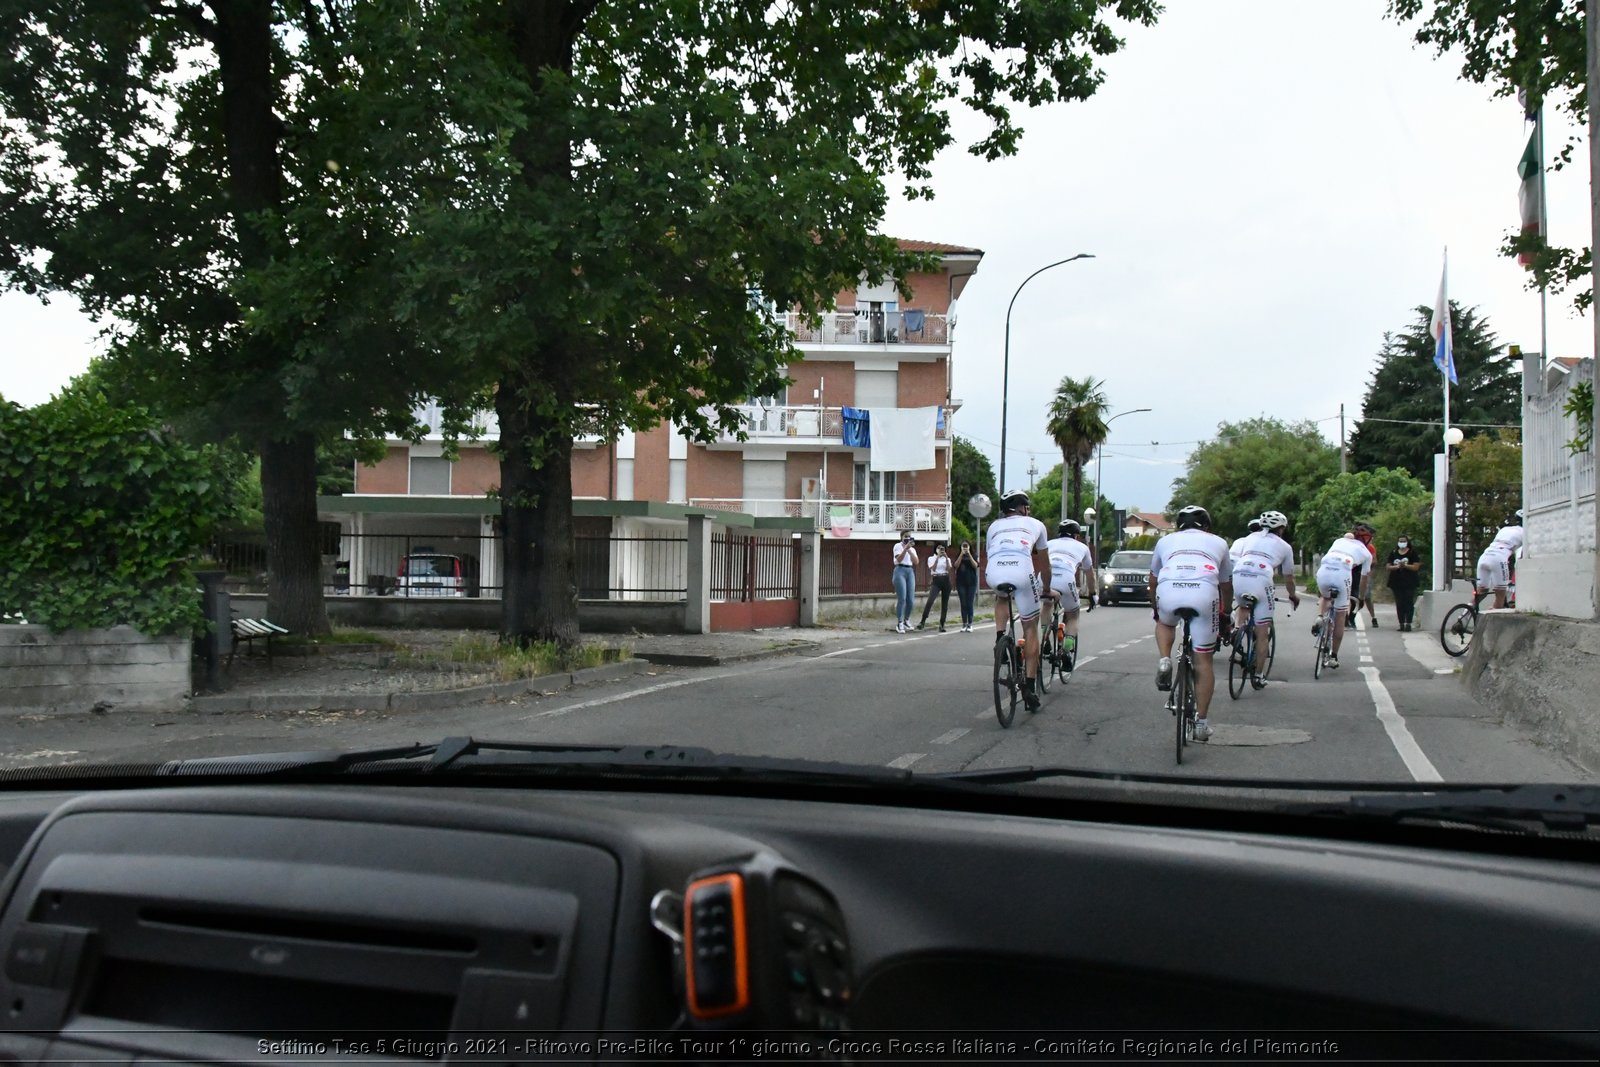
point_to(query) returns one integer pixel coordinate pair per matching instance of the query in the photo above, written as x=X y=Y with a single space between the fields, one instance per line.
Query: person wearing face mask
x=1404 y=567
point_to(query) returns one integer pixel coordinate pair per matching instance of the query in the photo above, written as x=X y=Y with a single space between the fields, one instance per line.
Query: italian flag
x=1529 y=195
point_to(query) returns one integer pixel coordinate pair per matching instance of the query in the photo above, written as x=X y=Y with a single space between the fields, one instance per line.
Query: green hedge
x=100 y=512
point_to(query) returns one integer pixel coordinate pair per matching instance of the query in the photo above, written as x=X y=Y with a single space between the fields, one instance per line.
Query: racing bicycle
x=1461 y=621
x=1241 y=661
x=1054 y=659
x=1008 y=668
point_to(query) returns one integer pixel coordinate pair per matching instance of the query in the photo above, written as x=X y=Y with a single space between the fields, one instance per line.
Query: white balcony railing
x=773 y=423
x=845 y=517
x=909 y=327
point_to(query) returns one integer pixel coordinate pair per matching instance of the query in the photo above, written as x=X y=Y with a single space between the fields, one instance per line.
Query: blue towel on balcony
x=913 y=321
x=857 y=431
x=940 y=425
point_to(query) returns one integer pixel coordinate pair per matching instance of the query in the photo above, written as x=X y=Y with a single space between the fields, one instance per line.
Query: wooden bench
x=248 y=630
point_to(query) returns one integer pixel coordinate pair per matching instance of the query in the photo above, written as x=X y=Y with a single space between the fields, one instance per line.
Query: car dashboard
x=283 y=923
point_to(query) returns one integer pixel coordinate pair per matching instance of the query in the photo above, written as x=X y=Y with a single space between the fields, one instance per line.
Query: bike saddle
x=1005 y=587
x=1187 y=613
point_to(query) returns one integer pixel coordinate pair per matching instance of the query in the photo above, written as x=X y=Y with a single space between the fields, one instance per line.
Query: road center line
x=951 y=735
x=902 y=762
x=1421 y=768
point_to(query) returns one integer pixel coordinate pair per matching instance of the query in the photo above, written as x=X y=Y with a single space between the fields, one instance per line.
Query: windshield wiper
x=1534 y=807
x=468 y=755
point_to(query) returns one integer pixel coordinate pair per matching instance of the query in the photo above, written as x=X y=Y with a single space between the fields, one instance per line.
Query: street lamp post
x=1452 y=441
x=1099 y=455
x=1005 y=373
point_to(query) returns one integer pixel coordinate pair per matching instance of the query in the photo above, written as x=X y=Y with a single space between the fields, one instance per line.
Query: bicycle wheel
x=1239 y=666
x=1455 y=633
x=1006 y=682
x=1047 y=656
x=1272 y=647
x=1182 y=694
x=1323 y=643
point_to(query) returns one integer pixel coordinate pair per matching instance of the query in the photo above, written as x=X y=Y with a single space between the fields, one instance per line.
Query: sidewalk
x=390 y=679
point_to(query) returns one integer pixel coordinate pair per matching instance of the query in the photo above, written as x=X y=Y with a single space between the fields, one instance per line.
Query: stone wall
x=1541 y=674
x=80 y=668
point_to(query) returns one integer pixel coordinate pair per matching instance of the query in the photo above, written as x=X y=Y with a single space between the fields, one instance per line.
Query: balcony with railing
x=845 y=518
x=909 y=327
x=803 y=424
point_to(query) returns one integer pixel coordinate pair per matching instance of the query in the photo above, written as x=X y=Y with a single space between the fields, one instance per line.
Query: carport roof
x=477 y=505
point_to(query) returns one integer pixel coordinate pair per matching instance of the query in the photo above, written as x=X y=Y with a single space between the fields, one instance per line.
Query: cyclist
x=1497 y=561
x=1251 y=528
x=1336 y=584
x=1261 y=557
x=1019 y=555
x=1365 y=534
x=1070 y=569
x=1190 y=568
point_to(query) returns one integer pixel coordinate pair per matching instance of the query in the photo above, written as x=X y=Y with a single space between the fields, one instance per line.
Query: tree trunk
x=1077 y=487
x=294 y=554
x=540 y=602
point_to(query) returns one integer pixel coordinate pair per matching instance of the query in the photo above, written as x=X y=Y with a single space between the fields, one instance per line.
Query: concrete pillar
x=358 y=554
x=697 y=602
x=1441 y=519
x=488 y=558
x=810 y=576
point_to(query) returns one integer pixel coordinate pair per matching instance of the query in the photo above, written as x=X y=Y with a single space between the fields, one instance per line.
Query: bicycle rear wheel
x=1239 y=661
x=1047 y=656
x=1455 y=633
x=1182 y=695
x=1272 y=646
x=1323 y=640
x=1006 y=682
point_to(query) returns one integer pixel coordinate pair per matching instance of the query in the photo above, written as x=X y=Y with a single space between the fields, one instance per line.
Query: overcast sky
x=1267 y=187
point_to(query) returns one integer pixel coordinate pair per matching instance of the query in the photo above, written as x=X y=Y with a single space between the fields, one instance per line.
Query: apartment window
x=430 y=476
x=877 y=388
x=678 y=481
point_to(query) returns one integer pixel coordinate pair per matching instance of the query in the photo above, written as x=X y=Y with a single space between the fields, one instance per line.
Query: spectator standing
x=905 y=582
x=967 y=584
x=1404 y=567
x=938 y=585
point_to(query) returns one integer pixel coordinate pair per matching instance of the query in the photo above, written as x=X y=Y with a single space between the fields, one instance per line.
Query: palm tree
x=1078 y=426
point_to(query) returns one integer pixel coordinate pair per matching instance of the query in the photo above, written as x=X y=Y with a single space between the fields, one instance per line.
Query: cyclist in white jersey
x=1494 y=565
x=1252 y=528
x=1333 y=584
x=1260 y=558
x=1019 y=556
x=1190 y=568
x=1070 y=570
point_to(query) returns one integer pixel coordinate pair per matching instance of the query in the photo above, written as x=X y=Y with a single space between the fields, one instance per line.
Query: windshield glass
x=713 y=387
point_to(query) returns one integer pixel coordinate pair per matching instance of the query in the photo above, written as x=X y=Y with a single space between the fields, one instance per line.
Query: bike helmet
x=1015 y=500
x=1068 y=528
x=1273 y=520
x=1514 y=520
x=1364 y=533
x=1194 y=515
x=1253 y=525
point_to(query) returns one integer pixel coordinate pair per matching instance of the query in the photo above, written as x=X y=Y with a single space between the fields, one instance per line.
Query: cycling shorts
x=1203 y=597
x=1335 y=582
x=1067 y=591
x=1494 y=571
x=1020 y=573
x=1261 y=589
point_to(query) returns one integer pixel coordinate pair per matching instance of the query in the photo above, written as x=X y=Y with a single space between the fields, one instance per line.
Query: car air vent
x=281 y=926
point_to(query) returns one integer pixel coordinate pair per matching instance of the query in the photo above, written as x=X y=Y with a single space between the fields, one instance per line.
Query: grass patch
x=508 y=663
x=340 y=636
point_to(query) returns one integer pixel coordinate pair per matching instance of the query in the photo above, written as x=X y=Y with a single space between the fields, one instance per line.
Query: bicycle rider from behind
x=1070 y=571
x=1361 y=576
x=1190 y=568
x=1019 y=555
x=1334 y=578
x=1261 y=557
x=1494 y=565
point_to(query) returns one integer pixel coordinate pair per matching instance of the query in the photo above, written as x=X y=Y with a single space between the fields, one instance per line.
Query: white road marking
x=1411 y=753
x=1444 y=670
x=1084 y=662
x=902 y=762
x=839 y=652
x=658 y=687
x=1366 y=659
x=951 y=735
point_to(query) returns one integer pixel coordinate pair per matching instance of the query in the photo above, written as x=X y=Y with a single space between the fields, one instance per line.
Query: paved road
x=922 y=700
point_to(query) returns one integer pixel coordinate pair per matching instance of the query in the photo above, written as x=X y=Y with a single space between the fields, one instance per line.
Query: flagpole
x=1544 y=234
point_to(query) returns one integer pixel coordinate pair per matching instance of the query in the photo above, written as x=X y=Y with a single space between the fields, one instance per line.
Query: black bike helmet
x=1015 y=500
x=1068 y=528
x=1194 y=515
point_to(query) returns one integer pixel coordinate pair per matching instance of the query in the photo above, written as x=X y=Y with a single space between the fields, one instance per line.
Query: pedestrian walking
x=905 y=582
x=938 y=586
x=1404 y=567
x=967 y=584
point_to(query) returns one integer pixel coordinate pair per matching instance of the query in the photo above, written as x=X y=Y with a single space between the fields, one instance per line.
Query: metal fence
x=439 y=565
x=754 y=566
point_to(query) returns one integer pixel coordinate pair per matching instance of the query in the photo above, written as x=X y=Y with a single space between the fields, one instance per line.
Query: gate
x=755 y=579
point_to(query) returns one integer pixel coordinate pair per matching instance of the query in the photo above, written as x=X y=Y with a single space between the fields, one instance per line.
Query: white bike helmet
x=1273 y=520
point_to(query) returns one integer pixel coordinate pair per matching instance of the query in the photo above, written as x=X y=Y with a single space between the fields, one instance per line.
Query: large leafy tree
x=177 y=167
x=1253 y=466
x=971 y=473
x=1077 y=424
x=1345 y=499
x=1048 y=504
x=1402 y=412
x=614 y=191
x=1533 y=47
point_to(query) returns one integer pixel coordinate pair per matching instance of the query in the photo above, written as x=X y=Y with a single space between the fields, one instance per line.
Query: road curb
x=421 y=700
x=691 y=659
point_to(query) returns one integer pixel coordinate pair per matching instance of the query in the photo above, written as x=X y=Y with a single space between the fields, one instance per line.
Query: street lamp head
x=1453 y=437
x=1088 y=514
